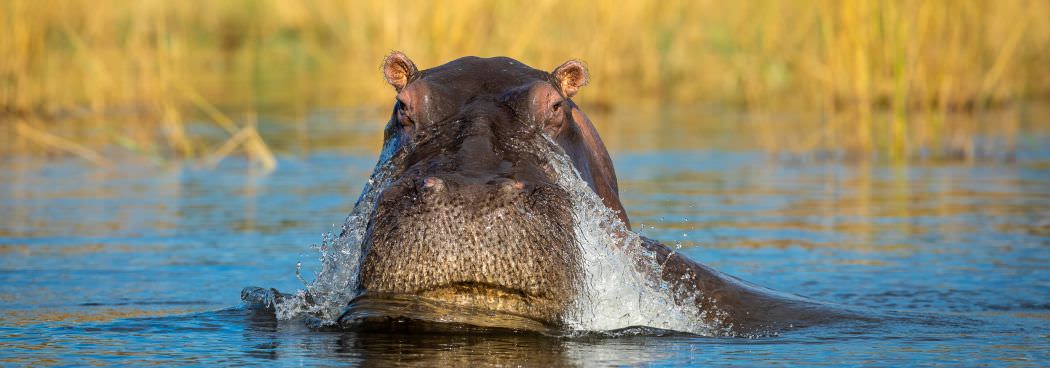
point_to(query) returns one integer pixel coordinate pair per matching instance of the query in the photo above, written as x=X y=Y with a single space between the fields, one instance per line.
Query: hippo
x=471 y=223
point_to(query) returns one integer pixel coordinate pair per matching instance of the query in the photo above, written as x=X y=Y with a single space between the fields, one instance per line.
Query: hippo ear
x=398 y=70
x=570 y=77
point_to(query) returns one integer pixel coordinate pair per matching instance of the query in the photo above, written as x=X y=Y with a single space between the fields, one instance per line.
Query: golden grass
x=885 y=75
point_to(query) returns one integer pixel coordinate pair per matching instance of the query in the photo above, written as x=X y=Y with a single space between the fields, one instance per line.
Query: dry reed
x=886 y=76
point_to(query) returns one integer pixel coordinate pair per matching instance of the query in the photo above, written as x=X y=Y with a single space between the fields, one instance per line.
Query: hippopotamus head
x=472 y=225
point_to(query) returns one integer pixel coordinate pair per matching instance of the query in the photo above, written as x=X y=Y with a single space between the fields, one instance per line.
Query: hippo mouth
x=458 y=307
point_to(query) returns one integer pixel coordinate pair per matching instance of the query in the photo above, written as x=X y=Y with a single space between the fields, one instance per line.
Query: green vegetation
x=883 y=77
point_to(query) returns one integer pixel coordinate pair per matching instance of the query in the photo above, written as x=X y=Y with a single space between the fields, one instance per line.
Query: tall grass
x=884 y=75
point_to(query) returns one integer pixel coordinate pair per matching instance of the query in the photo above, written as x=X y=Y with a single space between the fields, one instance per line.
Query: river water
x=143 y=263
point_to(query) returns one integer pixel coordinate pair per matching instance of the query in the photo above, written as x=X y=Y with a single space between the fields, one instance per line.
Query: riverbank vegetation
x=885 y=79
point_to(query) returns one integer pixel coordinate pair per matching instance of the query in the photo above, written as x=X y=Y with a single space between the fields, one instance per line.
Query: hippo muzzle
x=474 y=226
x=472 y=245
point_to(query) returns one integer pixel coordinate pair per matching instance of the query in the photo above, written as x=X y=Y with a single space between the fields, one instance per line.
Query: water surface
x=143 y=264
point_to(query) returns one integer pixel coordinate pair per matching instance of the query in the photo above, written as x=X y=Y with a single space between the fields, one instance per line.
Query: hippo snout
x=499 y=244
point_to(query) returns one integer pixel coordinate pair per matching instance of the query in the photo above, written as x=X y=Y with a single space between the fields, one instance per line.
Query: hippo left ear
x=398 y=70
x=570 y=77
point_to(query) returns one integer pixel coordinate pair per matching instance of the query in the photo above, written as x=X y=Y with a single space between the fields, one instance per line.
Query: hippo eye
x=555 y=119
x=402 y=115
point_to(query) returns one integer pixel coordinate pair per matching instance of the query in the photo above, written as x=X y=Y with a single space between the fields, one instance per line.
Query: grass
x=887 y=78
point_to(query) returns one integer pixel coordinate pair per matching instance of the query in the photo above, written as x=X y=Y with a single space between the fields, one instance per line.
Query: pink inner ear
x=398 y=70
x=571 y=76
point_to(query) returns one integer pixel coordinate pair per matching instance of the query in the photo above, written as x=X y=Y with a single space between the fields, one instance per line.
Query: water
x=144 y=265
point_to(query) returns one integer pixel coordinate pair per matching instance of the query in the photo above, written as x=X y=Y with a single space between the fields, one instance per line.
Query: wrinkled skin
x=475 y=231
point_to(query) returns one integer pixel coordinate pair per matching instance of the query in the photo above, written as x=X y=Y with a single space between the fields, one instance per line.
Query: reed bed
x=885 y=78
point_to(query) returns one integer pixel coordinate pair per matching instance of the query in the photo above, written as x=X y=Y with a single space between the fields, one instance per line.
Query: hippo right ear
x=399 y=70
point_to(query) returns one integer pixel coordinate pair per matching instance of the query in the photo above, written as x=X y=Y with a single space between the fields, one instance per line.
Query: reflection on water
x=143 y=264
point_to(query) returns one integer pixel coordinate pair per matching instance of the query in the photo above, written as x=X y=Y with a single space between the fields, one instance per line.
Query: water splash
x=621 y=287
x=336 y=283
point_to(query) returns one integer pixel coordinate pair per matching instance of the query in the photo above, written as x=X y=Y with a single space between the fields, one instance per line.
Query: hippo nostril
x=433 y=184
x=512 y=186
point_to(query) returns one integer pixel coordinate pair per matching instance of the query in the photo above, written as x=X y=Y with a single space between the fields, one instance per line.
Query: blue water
x=143 y=264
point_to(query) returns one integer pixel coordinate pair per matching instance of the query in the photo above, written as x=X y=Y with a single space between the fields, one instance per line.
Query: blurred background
x=857 y=80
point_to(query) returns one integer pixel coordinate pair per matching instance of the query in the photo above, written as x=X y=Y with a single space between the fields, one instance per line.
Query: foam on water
x=619 y=289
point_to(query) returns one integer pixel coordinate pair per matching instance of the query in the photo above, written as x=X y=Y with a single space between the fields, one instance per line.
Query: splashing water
x=620 y=287
x=337 y=281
